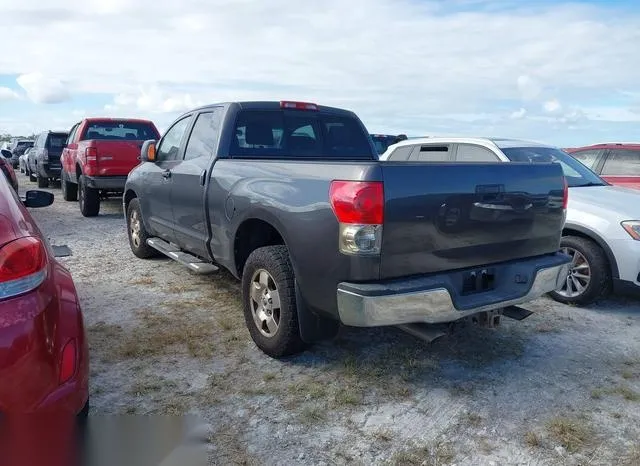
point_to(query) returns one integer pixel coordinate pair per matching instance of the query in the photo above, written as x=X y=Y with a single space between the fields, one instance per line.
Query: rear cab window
x=299 y=134
x=120 y=130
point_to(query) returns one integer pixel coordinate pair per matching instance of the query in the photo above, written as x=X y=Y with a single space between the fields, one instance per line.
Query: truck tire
x=88 y=199
x=42 y=182
x=590 y=276
x=32 y=177
x=69 y=189
x=136 y=232
x=269 y=301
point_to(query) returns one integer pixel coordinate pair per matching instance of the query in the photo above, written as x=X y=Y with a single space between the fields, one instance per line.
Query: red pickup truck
x=98 y=156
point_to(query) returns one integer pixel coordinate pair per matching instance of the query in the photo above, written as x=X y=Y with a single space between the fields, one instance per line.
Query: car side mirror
x=6 y=153
x=37 y=198
x=148 y=151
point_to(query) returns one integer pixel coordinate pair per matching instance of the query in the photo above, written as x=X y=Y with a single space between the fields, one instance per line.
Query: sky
x=566 y=73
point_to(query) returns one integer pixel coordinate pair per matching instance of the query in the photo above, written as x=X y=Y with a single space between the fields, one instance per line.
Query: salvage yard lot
x=561 y=387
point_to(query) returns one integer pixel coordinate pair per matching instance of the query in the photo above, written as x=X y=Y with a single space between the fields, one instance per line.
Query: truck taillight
x=23 y=265
x=565 y=194
x=91 y=154
x=45 y=155
x=359 y=208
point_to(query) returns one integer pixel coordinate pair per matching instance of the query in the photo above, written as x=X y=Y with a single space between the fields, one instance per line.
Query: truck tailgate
x=116 y=158
x=445 y=216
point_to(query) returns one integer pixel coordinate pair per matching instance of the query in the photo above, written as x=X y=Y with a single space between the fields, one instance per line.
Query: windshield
x=576 y=173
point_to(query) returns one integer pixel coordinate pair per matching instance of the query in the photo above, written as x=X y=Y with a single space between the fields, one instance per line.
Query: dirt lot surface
x=561 y=387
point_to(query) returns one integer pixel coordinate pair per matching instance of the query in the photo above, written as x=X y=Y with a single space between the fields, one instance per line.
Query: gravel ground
x=561 y=387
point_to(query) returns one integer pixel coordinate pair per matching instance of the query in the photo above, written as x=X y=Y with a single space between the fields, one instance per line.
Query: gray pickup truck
x=291 y=198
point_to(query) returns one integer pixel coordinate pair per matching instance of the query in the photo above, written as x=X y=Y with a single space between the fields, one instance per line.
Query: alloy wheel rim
x=265 y=303
x=134 y=228
x=579 y=276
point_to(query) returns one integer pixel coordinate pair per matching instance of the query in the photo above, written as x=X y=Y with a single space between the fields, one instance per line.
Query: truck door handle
x=203 y=177
x=166 y=174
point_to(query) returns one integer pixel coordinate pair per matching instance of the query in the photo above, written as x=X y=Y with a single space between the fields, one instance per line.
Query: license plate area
x=478 y=281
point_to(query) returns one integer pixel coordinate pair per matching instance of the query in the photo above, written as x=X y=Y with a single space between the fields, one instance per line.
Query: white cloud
x=401 y=64
x=552 y=106
x=43 y=89
x=8 y=94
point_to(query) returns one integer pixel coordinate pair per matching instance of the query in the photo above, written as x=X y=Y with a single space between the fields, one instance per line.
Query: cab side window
x=169 y=148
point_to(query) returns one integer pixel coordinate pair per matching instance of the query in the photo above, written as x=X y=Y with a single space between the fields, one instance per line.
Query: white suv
x=602 y=231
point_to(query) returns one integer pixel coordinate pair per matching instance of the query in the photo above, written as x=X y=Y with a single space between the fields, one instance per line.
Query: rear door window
x=622 y=163
x=589 y=158
x=298 y=134
x=432 y=153
x=474 y=153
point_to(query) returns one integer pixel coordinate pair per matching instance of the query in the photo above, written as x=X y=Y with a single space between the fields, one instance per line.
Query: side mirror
x=36 y=198
x=148 y=151
x=6 y=153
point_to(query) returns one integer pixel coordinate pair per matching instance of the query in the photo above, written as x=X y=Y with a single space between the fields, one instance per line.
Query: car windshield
x=577 y=174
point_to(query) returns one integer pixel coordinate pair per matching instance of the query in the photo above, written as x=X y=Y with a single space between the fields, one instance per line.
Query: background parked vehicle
x=290 y=198
x=6 y=167
x=44 y=364
x=382 y=141
x=17 y=148
x=98 y=155
x=602 y=230
x=617 y=163
x=23 y=160
x=45 y=155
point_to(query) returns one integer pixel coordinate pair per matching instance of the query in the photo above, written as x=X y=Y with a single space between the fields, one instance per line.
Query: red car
x=618 y=163
x=7 y=169
x=44 y=363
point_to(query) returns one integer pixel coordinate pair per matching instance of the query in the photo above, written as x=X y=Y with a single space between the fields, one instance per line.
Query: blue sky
x=562 y=72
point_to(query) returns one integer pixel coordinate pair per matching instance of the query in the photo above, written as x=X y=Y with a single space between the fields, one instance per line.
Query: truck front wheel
x=137 y=233
x=42 y=181
x=88 y=198
x=269 y=300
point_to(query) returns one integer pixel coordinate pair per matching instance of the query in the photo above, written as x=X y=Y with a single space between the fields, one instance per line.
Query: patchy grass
x=532 y=439
x=632 y=458
x=629 y=375
x=348 y=395
x=144 y=280
x=572 y=434
x=230 y=448
x=547 y=327
x=622 y=390
x=150 y=385
x=597 y=394
x=383 y=435
x=473 y=419
x=268 y=377
x=439 y=454
x=312 y=415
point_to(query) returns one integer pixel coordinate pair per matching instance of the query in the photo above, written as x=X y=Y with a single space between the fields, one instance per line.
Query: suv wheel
x=269 y=302
x=137 y=233
x=42 y=181
x=589 y=277
x=32 y=177
x=88 y=198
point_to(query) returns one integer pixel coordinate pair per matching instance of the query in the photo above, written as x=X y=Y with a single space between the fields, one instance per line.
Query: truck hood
x=606 y=201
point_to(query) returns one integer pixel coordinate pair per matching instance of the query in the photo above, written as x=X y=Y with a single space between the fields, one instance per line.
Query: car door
x=622 y=168
x=158 y=180
x=189 y=182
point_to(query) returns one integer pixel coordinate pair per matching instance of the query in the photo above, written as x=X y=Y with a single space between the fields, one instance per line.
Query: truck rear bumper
x=439 y=299
x=110 y=183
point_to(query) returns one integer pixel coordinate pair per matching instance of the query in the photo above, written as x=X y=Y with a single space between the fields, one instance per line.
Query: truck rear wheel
x=137 y=233
x=69 y=189
x=88 y=198
x=32 y=177
x=269 y=301
x=589 y=277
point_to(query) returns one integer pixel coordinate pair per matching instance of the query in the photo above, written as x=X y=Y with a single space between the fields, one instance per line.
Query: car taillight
x=91 y=154
x=23 y=264
x=298 y=105
x=68 y=361
x=359 y=208
x=565 y=194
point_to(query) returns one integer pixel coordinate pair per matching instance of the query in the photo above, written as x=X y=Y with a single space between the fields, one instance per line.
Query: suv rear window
x=56 y=141
x=299 y=134
x=120 y=131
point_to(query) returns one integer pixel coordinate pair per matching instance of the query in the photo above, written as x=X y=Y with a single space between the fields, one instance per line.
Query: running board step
x=425 y=332
x=516 y=312
x=194 y=263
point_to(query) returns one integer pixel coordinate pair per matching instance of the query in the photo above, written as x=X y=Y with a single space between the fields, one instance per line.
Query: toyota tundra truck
x=291 y=199
x=98 y=155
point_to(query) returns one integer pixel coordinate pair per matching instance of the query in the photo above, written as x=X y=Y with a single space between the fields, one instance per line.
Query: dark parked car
x=44 y=158
x=6 y=168
x=17 y=148
x=290 y=197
